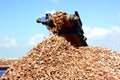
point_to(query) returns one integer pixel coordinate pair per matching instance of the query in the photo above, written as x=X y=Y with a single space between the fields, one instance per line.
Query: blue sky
x=19 y=31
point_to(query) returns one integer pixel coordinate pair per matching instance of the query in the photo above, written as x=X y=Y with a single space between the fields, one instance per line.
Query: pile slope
x=56 y=59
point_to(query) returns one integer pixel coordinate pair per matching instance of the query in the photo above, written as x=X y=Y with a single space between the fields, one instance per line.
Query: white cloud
x=50 y=11
x=115 y=29
x=7 y=42
x=101 y=33
x=35 y=39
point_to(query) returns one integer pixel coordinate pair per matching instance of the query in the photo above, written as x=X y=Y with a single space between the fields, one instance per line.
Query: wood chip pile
x=6 y=62
x=56 y=59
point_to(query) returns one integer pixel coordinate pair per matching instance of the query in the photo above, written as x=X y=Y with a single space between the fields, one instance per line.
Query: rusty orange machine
x=66 y=25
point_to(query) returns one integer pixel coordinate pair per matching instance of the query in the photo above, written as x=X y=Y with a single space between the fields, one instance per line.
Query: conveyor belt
x=65 y=25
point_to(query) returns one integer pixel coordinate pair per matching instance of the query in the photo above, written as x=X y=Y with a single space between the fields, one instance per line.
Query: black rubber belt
x=69 y=31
